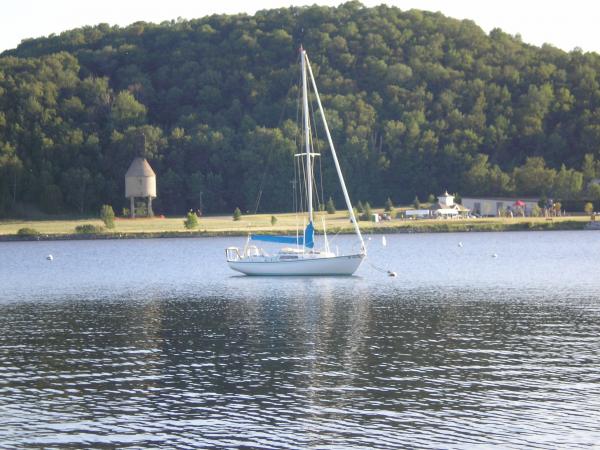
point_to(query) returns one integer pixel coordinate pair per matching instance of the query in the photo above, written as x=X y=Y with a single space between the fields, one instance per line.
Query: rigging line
x=314 y=182
x=314 y=186
x=318 y=150
x=321 y=176
x=295 y=194
x=314 y=143
x=301 y=185
x=294 y=204
x=297 y=189
x=303 y=166
x=303 y=174
x=270 y=153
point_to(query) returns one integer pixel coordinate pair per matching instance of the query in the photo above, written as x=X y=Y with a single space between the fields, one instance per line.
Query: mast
x=335 y=158
x=303 y=59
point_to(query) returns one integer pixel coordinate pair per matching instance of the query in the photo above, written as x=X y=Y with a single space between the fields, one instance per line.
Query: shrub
x=191 y=221
x=588 y=208
x=330 y=206
x=360 y=208
x=536 y=211
x=273 y=220
x=366 y=215
x=88 y=228
x=237 y=214
x=108 y=216
x=431 y=199
x=389 y=206
x=28 y=232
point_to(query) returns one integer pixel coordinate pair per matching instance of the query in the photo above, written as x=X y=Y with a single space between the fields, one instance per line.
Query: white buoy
x=369 y=238
x=49 y=257
x=495 y=255
x=383 y=241
x=460 y=244
x=391 y=274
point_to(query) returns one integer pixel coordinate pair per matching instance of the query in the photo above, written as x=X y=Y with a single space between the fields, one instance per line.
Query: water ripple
x=330 y=363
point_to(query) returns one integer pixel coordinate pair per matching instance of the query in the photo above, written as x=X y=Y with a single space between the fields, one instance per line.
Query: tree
x=409 y=108
x=533 y=177
x=191 y=221
x=417 y=202
x=127 y=111
x=237 y=214
x=431 y=199
x=594 y=191
x=330 y=207
x=589 y=167
x=568 y=183
x=77 y=182
x=368 y=213
x=273 y=220
x=108 y=216
x=588 y=208
x=389 y=206
x=360 y=208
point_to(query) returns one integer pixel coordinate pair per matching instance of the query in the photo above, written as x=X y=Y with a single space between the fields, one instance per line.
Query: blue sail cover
x=309 y=236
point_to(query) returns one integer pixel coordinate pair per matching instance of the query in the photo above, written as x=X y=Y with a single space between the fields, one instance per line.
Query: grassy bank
x=286 y=223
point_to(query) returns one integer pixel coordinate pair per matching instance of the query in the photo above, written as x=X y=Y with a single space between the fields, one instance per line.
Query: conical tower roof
x=139 y=168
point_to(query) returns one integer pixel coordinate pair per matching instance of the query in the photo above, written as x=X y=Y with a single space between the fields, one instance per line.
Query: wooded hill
x=417 y=103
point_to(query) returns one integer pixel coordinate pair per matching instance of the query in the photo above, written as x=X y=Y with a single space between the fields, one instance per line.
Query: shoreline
x=403 y=228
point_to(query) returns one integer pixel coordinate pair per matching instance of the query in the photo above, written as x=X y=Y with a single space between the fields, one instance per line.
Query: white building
x=447 y=208
x=140 y=181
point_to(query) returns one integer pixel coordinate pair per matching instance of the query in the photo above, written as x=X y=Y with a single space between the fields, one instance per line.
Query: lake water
x=147 y=343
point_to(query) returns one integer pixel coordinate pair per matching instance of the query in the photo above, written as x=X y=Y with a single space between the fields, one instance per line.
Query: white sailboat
x=301 y=258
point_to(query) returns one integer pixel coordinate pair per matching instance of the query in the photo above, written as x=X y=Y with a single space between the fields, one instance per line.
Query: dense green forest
x=417 y=103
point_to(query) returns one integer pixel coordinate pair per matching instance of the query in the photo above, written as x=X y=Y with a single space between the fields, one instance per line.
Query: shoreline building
x=444 y=209
x=140 y=181
x=493 y=206
x=447 y=208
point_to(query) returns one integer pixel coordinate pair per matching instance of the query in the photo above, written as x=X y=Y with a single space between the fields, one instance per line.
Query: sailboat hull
x=333 y=266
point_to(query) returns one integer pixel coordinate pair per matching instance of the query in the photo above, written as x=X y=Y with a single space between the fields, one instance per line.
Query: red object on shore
x=519 y=203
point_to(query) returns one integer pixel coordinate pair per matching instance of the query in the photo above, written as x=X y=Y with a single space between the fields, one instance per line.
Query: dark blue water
x=156 y=343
